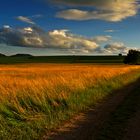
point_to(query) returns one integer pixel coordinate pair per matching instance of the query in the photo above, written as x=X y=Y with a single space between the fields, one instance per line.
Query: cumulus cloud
x=115 y=48
x=104 y=4
x=25 y=19
x=21 y=36
x=36 y=37
x=108 y=10
x=101 y=39
x=112 y=48
x=61 y=40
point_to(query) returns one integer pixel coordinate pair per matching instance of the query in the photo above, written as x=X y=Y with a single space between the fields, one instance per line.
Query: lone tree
x=133 y=57
x=120 y=54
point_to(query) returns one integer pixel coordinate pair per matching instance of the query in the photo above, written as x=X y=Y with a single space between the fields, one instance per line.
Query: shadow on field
x=87 y=125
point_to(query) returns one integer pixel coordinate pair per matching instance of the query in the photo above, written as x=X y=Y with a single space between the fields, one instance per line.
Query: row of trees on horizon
x=133 y=56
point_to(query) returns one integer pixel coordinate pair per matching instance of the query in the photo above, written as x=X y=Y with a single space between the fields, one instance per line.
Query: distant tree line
x=133 y=57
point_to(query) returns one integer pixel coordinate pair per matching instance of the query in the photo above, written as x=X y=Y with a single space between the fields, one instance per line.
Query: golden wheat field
x=55 y=79
x=36 y=97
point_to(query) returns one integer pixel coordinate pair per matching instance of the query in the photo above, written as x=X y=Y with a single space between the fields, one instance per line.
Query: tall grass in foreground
x=36 y=98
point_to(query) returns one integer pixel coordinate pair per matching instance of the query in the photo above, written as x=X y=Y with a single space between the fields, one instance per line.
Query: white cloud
x=100 y=4
x=25 y=19
x=64 y=39
x=6 y=26
x=108 y=10
x=101 y=39
x=36 y=37
x=30 y=37
x=59 y=40
x=27 y=30
x=110 y=31
x=116 y=47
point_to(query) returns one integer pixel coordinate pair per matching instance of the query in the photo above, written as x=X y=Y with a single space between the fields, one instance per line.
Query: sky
x=65 y=27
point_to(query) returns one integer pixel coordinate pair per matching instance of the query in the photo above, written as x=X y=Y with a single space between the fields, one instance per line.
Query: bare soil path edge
x=87 y=125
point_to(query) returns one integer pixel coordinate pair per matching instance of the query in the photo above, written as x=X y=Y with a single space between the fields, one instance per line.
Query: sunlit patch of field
x=38 y=96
